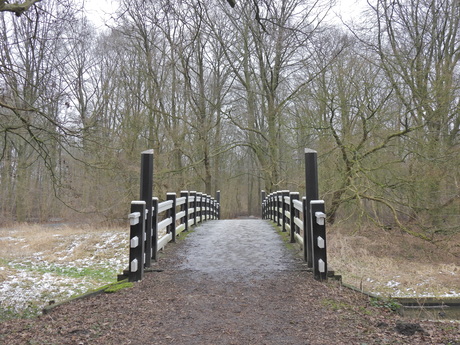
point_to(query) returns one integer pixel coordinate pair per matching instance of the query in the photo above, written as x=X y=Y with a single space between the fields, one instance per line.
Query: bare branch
x=17 y=8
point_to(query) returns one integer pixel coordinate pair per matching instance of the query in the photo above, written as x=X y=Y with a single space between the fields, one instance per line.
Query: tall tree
x=418 y=42
x=271 y=59
x=32 y=96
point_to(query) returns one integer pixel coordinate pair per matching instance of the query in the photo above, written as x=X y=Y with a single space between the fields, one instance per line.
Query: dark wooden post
x=215 y=210
x=263 y=196
x=272 y=207
x=203 y=207
x=136 y=241
x=198 y=207
x=305 y=220
x=207 y=199
x=318 y=220
x=279 y=196
x=172 y=214
x=294 y=213
x=146 y=195
x=212 y=208
x=193 y=206
x=154 y=255
x=218 y=204
x=284 y=194
x=311 y=183
x=184 y=207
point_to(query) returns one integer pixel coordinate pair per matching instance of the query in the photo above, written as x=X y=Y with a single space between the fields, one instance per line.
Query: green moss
x=112 y=288
x=285 y=236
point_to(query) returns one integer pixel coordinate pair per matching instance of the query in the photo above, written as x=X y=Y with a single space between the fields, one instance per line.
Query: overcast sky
x=99 y=10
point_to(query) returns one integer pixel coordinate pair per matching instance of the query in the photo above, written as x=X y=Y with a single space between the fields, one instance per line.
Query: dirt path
x=228 y=282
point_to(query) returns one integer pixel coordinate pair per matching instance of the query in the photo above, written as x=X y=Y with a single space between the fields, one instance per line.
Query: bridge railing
x=304 y=219
x=176 y=214
x=154 y=224
x=286 y=210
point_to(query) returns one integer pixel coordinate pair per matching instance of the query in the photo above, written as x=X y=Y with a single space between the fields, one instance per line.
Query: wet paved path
x=237 y=249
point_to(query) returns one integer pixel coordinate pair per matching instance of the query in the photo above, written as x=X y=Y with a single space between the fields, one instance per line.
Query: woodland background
x=228 y=98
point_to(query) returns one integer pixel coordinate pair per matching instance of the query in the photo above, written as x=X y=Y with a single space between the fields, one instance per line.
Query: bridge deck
x=236 y=250
x=228 y=282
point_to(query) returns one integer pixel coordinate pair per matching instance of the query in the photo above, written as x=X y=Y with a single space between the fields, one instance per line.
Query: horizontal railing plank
x=164 y=223
x=180 y=215
x=298 y=205
x=180 y=228
x=162 y=242
x=180 y=201
x=298 y=222
x=164 y=206
x=298 y=239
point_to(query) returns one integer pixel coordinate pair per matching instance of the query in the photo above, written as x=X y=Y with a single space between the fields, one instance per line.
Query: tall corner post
x=146 y=193
x=136 y=241
x=311 y=193
x=318 y=248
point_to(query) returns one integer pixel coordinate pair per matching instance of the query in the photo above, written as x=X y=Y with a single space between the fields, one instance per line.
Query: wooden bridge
x=154 y=224
x=232 y=281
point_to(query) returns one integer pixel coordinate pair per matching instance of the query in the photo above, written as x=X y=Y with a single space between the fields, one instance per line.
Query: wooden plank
x=164 y=223
x=162 y=242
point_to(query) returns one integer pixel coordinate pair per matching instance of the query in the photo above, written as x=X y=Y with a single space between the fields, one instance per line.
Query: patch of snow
x=14 y=239
x=393 y=283
x=35 y=281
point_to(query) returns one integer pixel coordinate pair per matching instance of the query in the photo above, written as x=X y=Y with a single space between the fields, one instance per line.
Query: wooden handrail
x=304 y=220
x=148 y=219
x=177 y=215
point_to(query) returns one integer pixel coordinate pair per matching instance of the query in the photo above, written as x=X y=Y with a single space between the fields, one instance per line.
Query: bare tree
x=271 y=59
x=31 y=101
x=418 y=42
